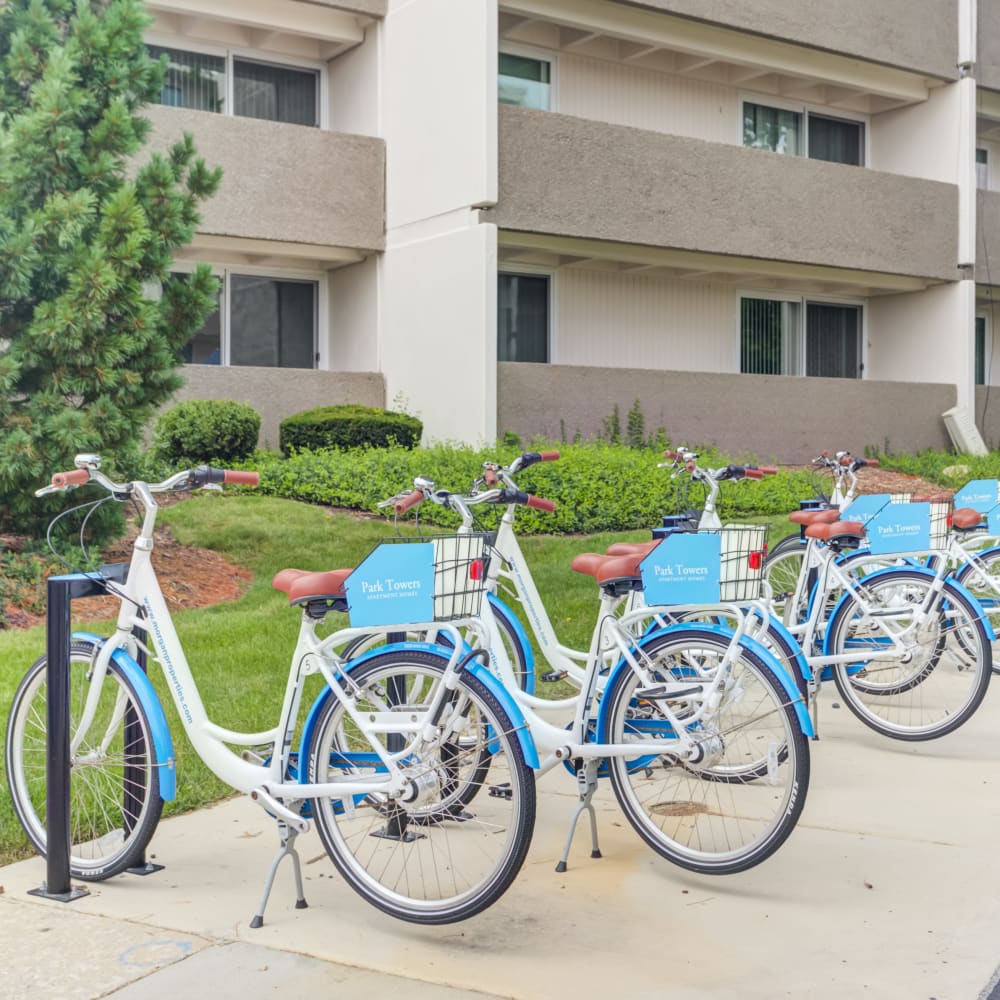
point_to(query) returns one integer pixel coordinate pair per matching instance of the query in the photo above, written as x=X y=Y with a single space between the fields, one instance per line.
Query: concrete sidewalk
x=889 y=887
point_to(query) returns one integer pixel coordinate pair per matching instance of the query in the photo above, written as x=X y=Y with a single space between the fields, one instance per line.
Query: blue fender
x=500 y=609
x=476 y=668
x=163 y=744
x=950 y=584
x=788 y=683
x=776 y=625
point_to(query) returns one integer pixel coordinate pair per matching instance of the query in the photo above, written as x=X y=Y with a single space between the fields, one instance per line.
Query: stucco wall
x=988 y=57
x=988 y=414
x=276 y=393
x=919 y=35
x=284 y=182
x=768 y=416
x=573 y=177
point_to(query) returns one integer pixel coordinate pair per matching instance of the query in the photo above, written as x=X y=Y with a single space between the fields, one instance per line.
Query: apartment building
x=775 y=224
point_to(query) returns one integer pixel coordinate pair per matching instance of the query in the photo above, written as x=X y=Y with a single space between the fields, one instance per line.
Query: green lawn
x=239 y=652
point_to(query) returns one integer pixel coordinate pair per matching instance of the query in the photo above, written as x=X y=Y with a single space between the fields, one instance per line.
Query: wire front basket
x=460 y=563
x=707 y=567
x=940 y=518
x=418 y=579
x=744 y=549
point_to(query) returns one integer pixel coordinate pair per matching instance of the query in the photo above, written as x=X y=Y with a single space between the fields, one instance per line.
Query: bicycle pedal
x=501 y=791
x=551 y=676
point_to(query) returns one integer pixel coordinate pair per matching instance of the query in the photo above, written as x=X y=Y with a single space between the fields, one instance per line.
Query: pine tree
x=86 y=220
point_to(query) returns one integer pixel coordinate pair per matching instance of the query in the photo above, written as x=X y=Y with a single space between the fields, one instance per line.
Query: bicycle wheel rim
x=446 y=857
x=733 y=810
x=944 y=675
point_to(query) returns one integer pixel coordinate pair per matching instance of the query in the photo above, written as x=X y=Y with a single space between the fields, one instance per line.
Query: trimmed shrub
x=348 y=426
x=597 y=486
x=204 y=430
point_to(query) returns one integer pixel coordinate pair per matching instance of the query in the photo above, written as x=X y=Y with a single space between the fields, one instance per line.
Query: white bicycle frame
x=266 y=782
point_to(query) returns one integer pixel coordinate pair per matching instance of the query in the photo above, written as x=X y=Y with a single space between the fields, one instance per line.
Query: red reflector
x=476 y=569
x=949 y=520
x=755 y=560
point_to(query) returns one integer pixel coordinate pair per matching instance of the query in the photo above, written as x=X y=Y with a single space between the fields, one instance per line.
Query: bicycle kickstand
x=586 y=780
x=287 y=835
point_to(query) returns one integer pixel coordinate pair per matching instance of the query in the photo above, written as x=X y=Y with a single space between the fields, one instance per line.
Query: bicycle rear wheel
x=430 y=860
x=939 y=678
x=115 y=799
x=737 y=805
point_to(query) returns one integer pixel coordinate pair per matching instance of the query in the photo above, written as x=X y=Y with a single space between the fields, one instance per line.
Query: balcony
x=919 y=35
x=988 y=61
x=988 y=237
x=564 y=178
x=285 y=184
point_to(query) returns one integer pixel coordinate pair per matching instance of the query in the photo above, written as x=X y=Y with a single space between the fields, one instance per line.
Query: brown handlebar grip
x=242 y=478
x=672 y=454
x=540 y=503
x=410 y=500
x=753 y=473
x=769 y=470
x=490 y=477
x=872 y=462
x=549 y=456
x=61 y=480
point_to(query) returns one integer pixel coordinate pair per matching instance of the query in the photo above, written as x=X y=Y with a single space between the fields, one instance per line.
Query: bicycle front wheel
x=781 y=570
x=428 y=856
x=942 y=669
x=114 y=789
x=736 y=805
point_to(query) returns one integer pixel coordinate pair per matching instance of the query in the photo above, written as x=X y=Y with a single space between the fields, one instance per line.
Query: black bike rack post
x=61 y=591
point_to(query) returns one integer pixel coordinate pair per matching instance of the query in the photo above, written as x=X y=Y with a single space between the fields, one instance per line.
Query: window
x=983 y=364
x=192 y=80
x=791 y=337
x=983 y=169
x=802 y=132
x=524 y=81
x=523 y=317
x=229 y=84
x=263 y=321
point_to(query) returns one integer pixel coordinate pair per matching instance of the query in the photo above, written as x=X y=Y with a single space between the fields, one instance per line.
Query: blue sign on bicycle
x=864 y=508
x=900 y=527
x=993 y=521
x=683 y=569
x=979 y=494
x=394 y=585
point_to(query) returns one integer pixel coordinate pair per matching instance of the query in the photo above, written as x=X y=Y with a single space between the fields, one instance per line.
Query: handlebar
x=424 y=490
x=64 y=480
x=402 y=505
x=89 y=470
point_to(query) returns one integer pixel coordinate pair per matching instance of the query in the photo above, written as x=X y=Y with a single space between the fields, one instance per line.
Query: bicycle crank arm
x=270 y=804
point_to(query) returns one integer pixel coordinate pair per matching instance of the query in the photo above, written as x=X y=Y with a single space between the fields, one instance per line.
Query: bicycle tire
x=987 y=592
x=781 y=571
x=725 y=815
x=109 y=828
x=942 y=678
x=429 y=862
